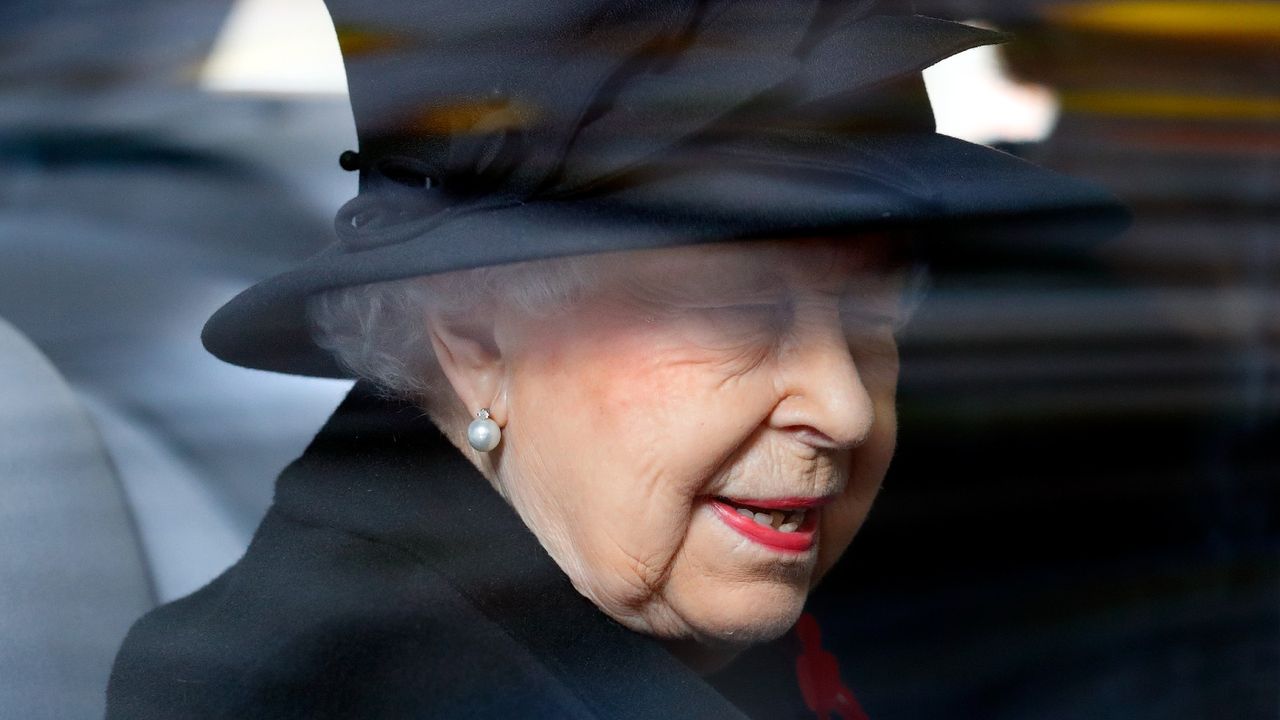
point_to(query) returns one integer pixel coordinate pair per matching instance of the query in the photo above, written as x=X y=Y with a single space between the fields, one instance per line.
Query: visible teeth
x=784 y=520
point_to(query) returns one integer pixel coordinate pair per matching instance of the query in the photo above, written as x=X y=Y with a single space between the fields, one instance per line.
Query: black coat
x=388 y=580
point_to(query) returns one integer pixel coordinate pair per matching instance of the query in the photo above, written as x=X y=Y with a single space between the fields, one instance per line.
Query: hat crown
x=500 y=102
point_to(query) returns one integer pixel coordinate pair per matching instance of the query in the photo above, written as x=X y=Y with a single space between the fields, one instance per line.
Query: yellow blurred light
x=1173 y=106
x=357 y=41
x=474 y=117
x=1259 y=20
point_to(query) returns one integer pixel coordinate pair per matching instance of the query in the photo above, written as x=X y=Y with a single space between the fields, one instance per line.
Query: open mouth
x=780 y=525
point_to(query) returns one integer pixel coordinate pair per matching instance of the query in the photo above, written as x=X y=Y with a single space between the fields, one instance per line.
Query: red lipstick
x=797 y=541
x=797 y=503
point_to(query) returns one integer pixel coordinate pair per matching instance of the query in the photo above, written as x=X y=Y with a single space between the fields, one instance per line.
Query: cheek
x=616 y=431
x=669 y=412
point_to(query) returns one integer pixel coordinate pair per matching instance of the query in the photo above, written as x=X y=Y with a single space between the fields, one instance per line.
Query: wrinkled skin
x=748 y=370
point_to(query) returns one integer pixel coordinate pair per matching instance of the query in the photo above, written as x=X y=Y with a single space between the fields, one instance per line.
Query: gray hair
x=379 y=331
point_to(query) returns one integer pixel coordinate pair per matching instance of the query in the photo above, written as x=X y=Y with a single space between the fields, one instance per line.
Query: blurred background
x=1082 y=521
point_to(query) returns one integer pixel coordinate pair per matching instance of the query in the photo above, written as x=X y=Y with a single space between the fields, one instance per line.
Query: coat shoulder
x=318 y=622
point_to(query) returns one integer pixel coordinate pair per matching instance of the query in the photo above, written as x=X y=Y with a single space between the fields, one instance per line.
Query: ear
x=471 y=359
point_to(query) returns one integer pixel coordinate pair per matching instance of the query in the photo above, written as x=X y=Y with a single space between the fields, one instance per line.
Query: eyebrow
x=706 y=281
x=707 y=273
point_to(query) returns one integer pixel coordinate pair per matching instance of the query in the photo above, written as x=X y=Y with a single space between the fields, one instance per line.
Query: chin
x=750 y=615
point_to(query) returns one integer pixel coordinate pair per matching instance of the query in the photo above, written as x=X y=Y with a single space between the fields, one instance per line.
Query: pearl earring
x=483 y=433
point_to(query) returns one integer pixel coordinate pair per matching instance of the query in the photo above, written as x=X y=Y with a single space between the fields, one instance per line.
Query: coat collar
x=382 y=470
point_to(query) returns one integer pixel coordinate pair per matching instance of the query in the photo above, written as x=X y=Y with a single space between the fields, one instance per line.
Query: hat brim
x=945 y=190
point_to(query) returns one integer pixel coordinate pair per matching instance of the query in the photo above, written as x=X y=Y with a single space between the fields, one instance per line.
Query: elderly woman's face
x=698 y=440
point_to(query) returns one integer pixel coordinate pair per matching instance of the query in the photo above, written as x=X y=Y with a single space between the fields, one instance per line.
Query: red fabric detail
x=819 y=676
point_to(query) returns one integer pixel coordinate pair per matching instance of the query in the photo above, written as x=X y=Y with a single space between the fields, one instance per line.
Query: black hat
x=515 y=130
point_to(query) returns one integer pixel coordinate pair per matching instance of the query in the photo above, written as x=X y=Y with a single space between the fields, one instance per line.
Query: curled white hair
x=379 y=331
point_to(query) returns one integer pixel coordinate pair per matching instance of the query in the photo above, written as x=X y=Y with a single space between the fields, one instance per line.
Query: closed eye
x=888 y=302
x=764 y=316
x=864 y=317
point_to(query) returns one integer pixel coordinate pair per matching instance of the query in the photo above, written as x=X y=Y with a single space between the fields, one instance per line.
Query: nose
x=823 y=399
